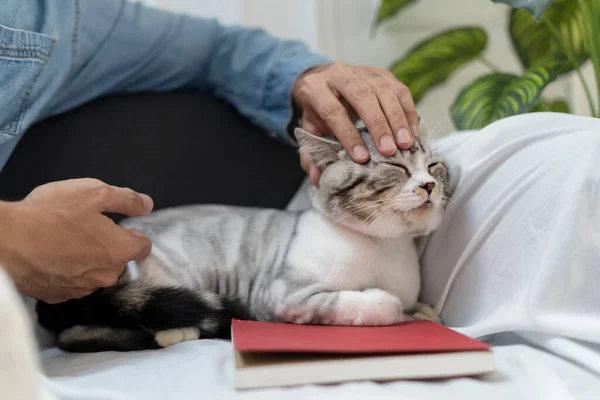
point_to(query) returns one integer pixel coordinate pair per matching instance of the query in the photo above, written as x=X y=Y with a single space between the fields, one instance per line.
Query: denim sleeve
x=124 y=47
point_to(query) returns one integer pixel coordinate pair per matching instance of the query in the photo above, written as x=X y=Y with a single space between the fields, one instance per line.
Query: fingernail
x=136 y=232
x=360 y=152
x=403 y=136
x=148 y=203
x=387 y=143
x=414 y=130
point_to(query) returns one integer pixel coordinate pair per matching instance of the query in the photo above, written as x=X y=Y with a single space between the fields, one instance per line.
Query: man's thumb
x=141 y=243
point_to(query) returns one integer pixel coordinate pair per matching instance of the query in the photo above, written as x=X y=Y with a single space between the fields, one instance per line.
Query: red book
x=279 y=354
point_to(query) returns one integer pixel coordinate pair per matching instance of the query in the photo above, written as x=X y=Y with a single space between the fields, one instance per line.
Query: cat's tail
x=133 y=316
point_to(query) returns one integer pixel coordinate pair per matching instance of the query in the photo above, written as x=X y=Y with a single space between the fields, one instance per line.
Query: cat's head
x=404 y=194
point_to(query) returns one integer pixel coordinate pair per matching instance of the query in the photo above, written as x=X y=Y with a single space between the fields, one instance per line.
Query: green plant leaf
x=433 y=60
x=500 y=95
x=390 y=8
x=591 y=16
x=535 y=43
x=535 y=7
x=555 y=106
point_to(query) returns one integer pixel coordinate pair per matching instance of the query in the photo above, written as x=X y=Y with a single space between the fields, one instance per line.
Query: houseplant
x=551 y=39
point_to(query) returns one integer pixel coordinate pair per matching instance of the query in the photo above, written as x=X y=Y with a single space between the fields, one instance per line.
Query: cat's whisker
x=363 y=206
x=373 y=217
x=432 y=134
x=349 y=213
x=383 y=214
x=392 y=212
x=370 y=204
x=436 y=132
x=394 y=205
x=396 y=214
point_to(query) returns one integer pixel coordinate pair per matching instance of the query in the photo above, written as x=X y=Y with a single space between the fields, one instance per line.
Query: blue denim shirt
x=58 y=54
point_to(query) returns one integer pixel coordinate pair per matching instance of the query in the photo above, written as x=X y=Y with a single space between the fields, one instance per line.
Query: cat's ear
x=324 y=151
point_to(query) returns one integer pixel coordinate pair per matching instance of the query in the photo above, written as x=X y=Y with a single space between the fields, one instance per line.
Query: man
x=519 y=244
x=518 y=249
x=55 y=55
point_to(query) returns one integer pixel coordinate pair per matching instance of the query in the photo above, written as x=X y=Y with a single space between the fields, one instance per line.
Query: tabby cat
x=348 y=260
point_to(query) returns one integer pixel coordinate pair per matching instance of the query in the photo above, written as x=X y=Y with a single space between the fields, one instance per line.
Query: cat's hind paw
x=170 y=337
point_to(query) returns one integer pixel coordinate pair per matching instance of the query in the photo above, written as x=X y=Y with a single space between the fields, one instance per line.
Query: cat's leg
x=92 y=338
x=136 y=317
x=422 y=311
x=370 y=307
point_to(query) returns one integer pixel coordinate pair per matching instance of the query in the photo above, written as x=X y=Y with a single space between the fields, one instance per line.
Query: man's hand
x=57 y=245
x=333 y=96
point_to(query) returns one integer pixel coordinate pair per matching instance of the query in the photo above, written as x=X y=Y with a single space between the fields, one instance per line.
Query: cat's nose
x=428 y=186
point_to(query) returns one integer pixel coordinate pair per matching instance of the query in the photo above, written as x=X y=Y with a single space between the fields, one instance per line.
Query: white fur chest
x=347 y=260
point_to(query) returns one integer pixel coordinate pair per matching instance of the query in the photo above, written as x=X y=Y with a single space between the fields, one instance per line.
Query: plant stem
x=592 y=30
x=571 y=56
x=489 y=64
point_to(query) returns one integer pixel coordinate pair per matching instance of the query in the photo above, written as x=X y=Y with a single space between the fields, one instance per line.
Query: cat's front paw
x=377 y=307
x=370 y=307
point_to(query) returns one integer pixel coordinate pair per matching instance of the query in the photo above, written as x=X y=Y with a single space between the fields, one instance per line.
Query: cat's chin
x=385 y=228
x=428 y=219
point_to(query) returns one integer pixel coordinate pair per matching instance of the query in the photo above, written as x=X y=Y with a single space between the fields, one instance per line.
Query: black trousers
x=179 y=148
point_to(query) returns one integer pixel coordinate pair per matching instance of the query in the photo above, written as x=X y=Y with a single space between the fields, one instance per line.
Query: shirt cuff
x=278 y=102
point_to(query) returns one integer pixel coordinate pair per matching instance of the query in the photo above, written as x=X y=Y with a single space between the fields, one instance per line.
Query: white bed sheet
x=204 y=370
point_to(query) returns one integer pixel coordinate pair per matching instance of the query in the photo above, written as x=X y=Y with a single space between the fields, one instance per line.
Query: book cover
x=406 y=337
x=281 y=354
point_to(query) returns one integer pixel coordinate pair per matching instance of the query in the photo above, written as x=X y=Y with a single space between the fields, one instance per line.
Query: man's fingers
x=139 y=245
x=363 y=99
x=79 y=293
x=305 y=161
x=315 y=175
x=126 y=245
x=310 y=168
x=124 y=201
x=55 y=295
x=309 y=125
x=336 y=117
x=53 y=298
x=393 y=110
x=408 y=106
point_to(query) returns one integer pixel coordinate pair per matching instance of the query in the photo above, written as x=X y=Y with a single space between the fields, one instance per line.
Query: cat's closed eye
x=434 y=165
x=402 y=167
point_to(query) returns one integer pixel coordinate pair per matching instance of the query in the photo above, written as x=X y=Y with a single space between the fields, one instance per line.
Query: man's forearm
x=256 y=72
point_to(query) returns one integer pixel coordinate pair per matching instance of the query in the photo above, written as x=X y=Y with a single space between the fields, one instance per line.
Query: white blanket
x=516 y=261
x=204 y=370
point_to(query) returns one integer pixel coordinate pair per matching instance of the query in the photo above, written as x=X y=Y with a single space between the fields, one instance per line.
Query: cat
x=348 y=260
